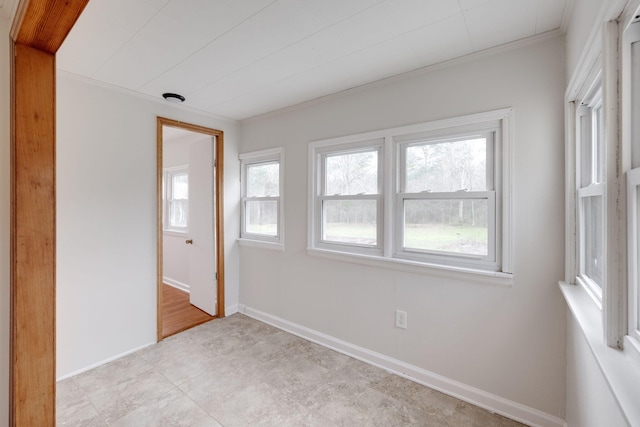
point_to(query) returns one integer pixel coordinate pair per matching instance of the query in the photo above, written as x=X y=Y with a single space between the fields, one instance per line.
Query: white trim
x=277 y=246
x=570 y=238
x=610 y=10
x=461 y=60
x=473 y=395
x=389 y=141
x=614 y=292
x=104 y=362
x=485 y=277
x=176 y=284
x=621 y=373
x=144 y=96
x=633 y=183
x=270 y=155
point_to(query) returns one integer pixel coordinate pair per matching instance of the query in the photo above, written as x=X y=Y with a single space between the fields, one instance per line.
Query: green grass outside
x=459 y=239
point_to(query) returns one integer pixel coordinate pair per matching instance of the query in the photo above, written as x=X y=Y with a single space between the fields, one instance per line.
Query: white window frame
x=274 y=155
x=493 y=269
x=592 y=136
x=377 y=146
x=490 y=131
x=631 y=164
x=609 y=327
x=167 y=185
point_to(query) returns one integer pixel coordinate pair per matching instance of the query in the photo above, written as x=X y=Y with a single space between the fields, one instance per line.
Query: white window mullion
x=389 y=180
x=444 y=178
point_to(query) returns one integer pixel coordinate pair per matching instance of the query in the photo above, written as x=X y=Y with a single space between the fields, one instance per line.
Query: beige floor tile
x=238 y=371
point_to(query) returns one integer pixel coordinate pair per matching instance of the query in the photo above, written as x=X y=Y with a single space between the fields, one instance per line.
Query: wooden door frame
x=38 y=30
x=218 y=208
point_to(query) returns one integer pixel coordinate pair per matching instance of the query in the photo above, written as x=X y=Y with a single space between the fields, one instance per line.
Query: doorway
x=190 y=225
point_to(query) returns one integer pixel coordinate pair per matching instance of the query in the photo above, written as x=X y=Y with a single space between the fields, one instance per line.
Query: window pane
x=180 y=186
x=593 y=263
x=637 y=260
x=354 y=173
x=458 y=226
x=599 y=141
x=447 y=166
x=586 y=154
x=261 y=217
x=350 y=221
x=263 y=180
x=178 y=213
x=635 y=104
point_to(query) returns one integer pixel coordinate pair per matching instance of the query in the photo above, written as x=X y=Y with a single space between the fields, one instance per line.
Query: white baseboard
x=176 y=284
x=103 y=362
x=491 y=402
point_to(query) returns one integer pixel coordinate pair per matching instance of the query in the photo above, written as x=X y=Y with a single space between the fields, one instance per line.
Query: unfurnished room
x=320 y=213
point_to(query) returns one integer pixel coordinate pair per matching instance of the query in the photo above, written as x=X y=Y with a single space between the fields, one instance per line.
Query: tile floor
x=238 y=371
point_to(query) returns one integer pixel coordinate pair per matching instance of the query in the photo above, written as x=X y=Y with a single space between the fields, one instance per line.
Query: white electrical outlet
x=401 y=319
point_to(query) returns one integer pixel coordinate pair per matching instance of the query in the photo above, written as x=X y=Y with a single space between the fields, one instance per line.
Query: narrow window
x=176 y=199
x=632 y=133
x=591 y=194
x=261 y=178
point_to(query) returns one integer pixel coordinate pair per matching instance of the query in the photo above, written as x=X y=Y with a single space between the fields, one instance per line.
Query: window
x=262 y=208
x=447 y=201
x=350 y=197
x=632 y=138
x=429 y=195
x=176 y=199
x=591 y=193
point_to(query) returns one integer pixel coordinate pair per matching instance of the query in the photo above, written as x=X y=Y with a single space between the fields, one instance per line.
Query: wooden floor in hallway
x=177 y=312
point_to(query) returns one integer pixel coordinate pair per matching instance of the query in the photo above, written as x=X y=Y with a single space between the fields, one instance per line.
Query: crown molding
x=140 y=95
x=471 y=57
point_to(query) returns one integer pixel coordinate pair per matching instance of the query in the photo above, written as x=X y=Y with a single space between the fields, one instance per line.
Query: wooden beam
x=39 y=28
x=33 y=238
x=44 y=24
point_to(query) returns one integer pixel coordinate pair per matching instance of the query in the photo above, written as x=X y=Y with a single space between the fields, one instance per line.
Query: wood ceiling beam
x=39 y=28
x=44 y=24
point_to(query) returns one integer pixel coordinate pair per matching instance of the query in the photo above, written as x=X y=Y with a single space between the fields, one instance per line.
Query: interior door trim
x=218 y=208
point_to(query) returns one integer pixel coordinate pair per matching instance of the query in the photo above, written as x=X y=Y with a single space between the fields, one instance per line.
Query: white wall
x=4 y=220
x=506 y=341
x=589 y=400
x=106 y=242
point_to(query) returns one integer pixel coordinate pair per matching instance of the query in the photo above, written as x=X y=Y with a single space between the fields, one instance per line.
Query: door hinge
x=216 y=276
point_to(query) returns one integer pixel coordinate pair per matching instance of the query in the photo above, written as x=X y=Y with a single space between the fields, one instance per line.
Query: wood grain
x=38 y=30
x=178 y=314
x=33 y=238
x=44 y=24
x=219 y=211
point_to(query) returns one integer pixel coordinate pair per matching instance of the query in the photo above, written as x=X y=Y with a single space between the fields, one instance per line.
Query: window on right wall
x=631 y=132
x=590 y=179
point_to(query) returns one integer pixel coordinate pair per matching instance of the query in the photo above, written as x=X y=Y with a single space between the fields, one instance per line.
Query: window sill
x=477 y=276
x=276 y=246
x=619 y=367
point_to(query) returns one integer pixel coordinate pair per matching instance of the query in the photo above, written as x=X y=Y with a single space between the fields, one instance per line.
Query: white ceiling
x=241 y=58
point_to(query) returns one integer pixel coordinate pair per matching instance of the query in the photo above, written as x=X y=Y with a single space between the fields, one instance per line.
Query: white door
x=202 y=258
